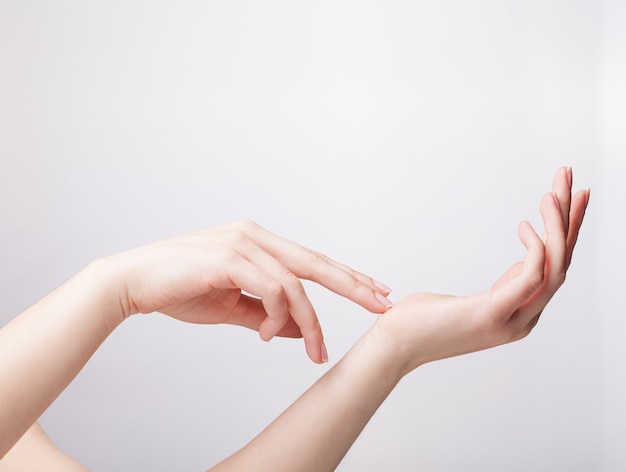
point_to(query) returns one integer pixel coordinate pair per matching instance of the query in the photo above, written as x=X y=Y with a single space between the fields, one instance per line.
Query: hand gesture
x=426 y=327
x=240 y=274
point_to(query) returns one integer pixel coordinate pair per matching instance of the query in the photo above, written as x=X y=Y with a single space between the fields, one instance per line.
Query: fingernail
x=382 y=287
x=587 y=197
x=384 y=301
x=324 y=353
x=556 y=200
x=569 y=177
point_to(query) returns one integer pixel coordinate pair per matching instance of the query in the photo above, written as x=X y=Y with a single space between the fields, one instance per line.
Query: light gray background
x=406 y=139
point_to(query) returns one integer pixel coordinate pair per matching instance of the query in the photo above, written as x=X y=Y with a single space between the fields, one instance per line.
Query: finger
x=310 y=265
x=556 y=251
x=556 y=236
x=242 y=274
x=367 y=280
x=577 y=214
x=342 y=281
x=250 y=313
x=562 y=187
x=299 y=307
x=507 y=297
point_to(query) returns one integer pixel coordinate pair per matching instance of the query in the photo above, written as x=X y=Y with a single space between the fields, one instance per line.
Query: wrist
x=104 y=279
x=384 y=353
x=396 y=356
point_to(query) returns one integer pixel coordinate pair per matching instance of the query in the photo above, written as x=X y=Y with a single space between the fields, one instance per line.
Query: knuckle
x=293 y=283
x=275 y=289
x=318 y=258
x=317 y=267
x=310 y=324
x=229 y=256
x=236 y=236
x=244 y=225
x=315 y=325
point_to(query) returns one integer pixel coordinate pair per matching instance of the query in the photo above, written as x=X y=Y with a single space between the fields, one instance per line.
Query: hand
x=426 y=327
x=200 y=278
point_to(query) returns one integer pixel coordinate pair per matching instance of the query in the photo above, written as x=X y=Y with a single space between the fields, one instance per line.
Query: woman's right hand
x=201 y=277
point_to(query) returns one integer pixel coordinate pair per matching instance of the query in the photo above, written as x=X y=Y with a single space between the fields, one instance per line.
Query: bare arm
x=198 y=277
x=318 y=429
x=34 y=452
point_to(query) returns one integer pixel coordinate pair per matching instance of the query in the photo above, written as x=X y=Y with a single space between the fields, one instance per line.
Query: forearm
x=35 y=452
x=45 y=347
x=317 y=430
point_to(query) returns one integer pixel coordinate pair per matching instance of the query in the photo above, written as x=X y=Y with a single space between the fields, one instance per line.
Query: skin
x=418 y=329
x=198 y=278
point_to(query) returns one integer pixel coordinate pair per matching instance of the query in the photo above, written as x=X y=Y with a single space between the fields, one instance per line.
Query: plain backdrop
x=406 y=139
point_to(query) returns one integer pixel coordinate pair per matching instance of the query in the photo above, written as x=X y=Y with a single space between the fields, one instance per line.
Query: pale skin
x=199 y=277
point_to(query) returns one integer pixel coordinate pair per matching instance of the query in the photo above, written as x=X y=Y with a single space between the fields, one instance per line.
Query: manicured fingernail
x=556 y=200
x=569 y=177
x=382 y=287
x=324 y=353
x=384 y=301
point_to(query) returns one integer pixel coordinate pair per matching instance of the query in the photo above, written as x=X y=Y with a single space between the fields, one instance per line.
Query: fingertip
x=267 y=337
x=384 y=302
x=550 y=198
x=268 y=329
x=382 y=288
x=563 y=172
x=526 y=224
x=313 y=341
x=324 y=353
x=316 y=351
x=550 y=209
x=525 y=230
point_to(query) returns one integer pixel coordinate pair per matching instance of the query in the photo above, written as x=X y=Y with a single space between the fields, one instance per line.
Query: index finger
x=509 y=295
x=311 y=265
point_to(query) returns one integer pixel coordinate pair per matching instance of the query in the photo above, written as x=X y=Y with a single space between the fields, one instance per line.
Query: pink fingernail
x=556 y=200
x=382 y=287
x=384 y=301
x=324 y=353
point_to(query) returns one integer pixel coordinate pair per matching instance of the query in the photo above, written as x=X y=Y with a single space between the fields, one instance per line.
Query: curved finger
x=507 y=297
x=577 y=214
x=556 y=252
x=556 y=236
x=249 y=277
x=250 y=313
x=299 y=307
x=562 y=187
